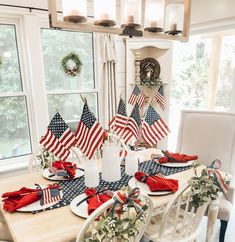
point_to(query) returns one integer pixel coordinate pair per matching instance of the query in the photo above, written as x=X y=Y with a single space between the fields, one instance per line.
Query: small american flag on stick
x=89 y=134
x=50 y=195
x=154 y=128
x=59 y=138
x=118 y=122
x=160 y=97
x=134 y=95
x=132 y=125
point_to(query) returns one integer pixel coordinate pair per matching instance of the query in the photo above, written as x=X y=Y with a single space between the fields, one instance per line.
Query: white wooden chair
x=211 y=135
x=92 y=223
x=179 y=222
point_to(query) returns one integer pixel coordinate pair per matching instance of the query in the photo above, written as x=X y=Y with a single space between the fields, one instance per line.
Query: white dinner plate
x=171 y=164
x=144 y=188
x=36 y=205
x=82 y=209
x=46 y=173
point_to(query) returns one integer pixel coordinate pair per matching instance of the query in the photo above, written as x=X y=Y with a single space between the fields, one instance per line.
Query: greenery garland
x=151 y=82
x=120 y=225
x=76 y=69
x=203 y=187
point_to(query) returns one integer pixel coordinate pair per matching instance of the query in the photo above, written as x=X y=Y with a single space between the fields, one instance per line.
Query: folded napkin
x=157 y=183
x=23 y=197
x=63 y=168
x=176 y=157
x=97 y=199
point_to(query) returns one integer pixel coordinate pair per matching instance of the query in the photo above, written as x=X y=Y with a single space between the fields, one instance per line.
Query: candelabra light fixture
x=155 y=19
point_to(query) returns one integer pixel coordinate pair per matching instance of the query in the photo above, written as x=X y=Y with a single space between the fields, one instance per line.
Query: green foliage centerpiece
x=71 y=64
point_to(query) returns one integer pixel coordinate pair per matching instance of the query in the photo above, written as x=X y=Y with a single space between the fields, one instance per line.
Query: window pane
x=70 y=106
x=56 y=44
x=226 y=74
x=10 y=78
x=14 y=130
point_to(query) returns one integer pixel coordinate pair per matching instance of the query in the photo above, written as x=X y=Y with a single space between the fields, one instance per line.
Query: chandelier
x=155 y=19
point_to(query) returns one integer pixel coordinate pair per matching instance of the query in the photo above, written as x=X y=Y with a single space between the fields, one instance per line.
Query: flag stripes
x=132 y=125
x=50 y=195
x=59 y=138
x=154 y=128
x=160 y=97
x=89 y=134
x=118 y=123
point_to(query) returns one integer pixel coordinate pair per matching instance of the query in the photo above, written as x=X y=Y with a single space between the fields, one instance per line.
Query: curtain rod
x=31 y=8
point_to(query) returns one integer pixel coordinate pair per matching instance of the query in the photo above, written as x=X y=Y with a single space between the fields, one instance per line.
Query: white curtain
x=107 y=76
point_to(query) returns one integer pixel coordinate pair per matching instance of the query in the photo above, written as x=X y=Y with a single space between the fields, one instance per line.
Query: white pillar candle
x=111 y=170
x=91 y=174
x=131 y=164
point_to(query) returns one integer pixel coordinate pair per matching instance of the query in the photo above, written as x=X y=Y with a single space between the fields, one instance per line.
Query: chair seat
x=225 y=209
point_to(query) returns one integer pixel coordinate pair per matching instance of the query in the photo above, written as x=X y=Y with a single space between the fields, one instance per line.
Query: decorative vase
x=111 y=170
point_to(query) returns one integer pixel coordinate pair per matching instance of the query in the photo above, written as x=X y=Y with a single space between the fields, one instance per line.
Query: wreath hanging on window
x=71 y=64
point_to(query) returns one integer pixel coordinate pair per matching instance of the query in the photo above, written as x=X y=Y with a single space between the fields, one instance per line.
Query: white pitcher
x=111 y=170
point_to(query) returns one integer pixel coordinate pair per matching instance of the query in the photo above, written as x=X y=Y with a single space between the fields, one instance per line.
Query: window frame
x=96 y=90
x=22 y=160
x=36 y=125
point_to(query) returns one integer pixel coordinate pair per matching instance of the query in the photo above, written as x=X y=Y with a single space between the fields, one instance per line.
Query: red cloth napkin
x=67 y=166
x=23 y=197
x=176 y=157
x=157 y=183
x=96 y=200
x=18 y=199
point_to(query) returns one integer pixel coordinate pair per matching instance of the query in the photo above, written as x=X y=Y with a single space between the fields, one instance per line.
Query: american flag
x=141 y=99
x=50 y=195
x=132 y=125
x=153 y=127
x=89 y=134
x=59 y=137
x=160 y=97
x=119 y=121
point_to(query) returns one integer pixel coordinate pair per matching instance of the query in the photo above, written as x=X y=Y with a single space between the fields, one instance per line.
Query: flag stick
x=56 y=109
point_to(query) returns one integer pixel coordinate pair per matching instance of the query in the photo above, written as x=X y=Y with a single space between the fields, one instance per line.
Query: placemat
x=73 y=188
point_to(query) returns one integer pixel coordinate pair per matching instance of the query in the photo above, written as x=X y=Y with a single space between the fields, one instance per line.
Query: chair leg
x=223 y=227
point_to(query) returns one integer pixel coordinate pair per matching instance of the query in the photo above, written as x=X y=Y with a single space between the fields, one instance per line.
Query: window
x=203 y=77
x=14 y=128
x=63 y=91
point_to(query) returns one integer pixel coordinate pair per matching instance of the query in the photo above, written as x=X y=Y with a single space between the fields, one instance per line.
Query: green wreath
x=76 y=68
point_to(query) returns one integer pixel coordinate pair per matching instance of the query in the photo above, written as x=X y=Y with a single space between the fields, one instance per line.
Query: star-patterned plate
x=36 y=205
x=82 y=209
x=145 y=189
x=48 y=175
x=172 y=164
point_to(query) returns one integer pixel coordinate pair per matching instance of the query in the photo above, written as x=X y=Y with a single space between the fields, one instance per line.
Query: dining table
x=61 y=224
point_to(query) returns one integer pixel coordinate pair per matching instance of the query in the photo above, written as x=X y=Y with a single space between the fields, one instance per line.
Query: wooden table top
x=59 y=224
